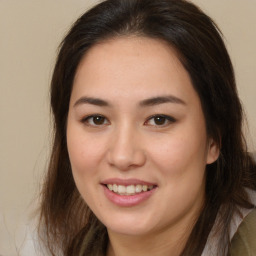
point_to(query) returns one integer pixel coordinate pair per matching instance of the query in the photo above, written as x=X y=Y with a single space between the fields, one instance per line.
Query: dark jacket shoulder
x=244 y=241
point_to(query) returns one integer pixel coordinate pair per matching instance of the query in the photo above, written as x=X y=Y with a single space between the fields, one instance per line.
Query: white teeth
x=115 y=189
x=138 y=188
x=121 y=189
x=110 y=187
x=129 y=190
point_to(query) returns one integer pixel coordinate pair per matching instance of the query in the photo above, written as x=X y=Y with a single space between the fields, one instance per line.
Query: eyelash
x=86 y=120
x=167 y=120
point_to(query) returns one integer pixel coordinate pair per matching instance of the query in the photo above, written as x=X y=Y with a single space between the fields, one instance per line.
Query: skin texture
x=129 y=144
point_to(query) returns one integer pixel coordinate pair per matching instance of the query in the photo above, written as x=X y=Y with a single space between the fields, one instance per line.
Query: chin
x=128 y=225
x=129 y=230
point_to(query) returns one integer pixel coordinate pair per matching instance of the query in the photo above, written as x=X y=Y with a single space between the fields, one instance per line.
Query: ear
x=213 y=152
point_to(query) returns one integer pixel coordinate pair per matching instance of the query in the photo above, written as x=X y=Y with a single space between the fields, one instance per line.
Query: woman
x=148 y=155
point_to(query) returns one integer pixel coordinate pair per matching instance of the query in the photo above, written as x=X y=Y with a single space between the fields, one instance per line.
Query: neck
x=163 y=243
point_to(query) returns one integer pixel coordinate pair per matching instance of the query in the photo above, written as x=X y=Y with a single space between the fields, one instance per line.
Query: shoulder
x=243 y=242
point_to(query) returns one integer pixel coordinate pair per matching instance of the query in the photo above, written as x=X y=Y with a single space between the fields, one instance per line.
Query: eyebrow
x=92 y=101
x=144 y=103
x=160 y=100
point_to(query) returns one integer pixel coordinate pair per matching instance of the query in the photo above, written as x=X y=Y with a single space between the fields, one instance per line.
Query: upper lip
x=127 y=182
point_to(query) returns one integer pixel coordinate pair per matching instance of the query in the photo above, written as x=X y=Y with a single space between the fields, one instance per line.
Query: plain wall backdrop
x=30 y=32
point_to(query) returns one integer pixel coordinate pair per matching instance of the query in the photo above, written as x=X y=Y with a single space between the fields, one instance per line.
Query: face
x=136 y=137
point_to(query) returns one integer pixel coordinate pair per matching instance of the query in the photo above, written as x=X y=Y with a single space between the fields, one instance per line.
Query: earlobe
x=213 y=152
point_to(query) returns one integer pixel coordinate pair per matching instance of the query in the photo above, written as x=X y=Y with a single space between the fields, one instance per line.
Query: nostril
x=126 y=160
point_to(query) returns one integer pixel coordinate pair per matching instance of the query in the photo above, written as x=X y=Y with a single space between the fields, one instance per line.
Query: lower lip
x=127 y=201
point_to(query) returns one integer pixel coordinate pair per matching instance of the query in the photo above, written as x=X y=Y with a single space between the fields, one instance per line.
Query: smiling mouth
x=129 y=190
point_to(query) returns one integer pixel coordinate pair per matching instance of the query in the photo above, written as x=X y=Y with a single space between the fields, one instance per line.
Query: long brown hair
x=65 y=219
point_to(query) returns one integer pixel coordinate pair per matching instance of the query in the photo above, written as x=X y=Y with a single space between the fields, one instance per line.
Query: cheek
x=84 y=152
x=86 y=156
x=181 y=157
x=181 y=160
x=179 y=151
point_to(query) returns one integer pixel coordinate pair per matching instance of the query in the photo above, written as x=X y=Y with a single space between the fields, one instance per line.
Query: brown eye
x=95 y=120
x=98 y=120
x=160 y=120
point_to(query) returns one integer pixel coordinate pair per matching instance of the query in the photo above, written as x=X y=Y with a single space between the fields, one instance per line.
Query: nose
x=126 y=149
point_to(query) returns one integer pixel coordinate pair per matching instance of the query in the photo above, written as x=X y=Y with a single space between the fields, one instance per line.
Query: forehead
x=127 y=64
x=125 y=51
